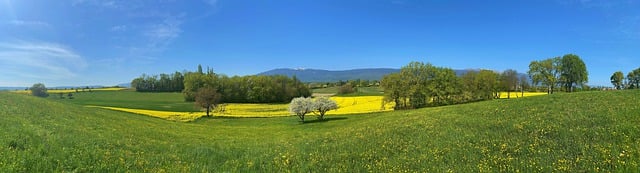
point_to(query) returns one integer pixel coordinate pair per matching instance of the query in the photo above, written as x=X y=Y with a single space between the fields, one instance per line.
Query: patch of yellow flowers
x=519 y=94
x=168 y=115
x=361 y=104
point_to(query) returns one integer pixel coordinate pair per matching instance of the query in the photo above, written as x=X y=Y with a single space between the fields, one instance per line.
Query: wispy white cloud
x=118 y=28
x=29 y=23
x=623 y=13
x=605 y=4
x=39 y=60
x=163 y=33
x=143 y=42
x=212 y=3
x=630 y=27
x=100 y=3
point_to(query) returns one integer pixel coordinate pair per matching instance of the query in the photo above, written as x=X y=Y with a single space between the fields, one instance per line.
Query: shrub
x=346 y=89
x=39 y=90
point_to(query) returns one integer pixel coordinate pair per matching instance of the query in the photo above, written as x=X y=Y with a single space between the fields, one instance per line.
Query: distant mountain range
x=12 y=88
x=316 y=75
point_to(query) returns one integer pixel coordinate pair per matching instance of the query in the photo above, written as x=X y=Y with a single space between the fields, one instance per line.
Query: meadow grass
x=163 y=101
x=577 y=132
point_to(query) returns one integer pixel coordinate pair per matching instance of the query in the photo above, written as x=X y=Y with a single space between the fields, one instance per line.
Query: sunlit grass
x=564 y=132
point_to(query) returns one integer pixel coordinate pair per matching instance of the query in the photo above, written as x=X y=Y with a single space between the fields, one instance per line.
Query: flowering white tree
x=301 y=106
x=324 y=104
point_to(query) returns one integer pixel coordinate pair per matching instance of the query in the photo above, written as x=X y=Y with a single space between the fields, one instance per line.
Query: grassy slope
x=572 y=132
x=131 y=99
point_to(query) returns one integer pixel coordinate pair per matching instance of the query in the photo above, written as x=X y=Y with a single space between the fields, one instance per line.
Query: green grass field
x=130 y=99
x=577 y=132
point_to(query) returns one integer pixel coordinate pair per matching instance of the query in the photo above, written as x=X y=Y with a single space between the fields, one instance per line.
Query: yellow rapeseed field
x=174 y=116
x=346 y=105
x=253 y=110
x=519 y=94
x=361 y=104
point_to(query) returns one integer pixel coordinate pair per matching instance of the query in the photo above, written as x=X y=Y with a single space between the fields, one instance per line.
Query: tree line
x=632 y=80
x=159 y=83
x=420 y=85
x=236 y=89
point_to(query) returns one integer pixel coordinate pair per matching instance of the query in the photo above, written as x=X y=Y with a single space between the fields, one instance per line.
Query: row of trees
x=245 y=89
x=159 y=83
x=632 y=80
x=236 y=89
x=567 y=72
x=419 y=85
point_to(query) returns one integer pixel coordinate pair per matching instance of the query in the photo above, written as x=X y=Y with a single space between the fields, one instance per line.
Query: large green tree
x=573 y=72
x=419 y=85
x=509 y=81
x=207 y=98
x=545 y=72
x=395 y=90
x=617 y=80
x=194 y=81
x=633 y=79
x=479 y=85
x=446 y=87
x=39 y=90
x=523 y=83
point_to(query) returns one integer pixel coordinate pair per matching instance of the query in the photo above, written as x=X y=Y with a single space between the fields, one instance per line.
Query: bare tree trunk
x=208 y=109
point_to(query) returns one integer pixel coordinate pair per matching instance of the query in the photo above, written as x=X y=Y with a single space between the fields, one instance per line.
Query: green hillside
x=578 y=132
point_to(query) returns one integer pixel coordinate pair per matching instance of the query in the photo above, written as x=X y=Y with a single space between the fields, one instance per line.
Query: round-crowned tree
x=39 y=90
x=324 y=104
x=301 y=106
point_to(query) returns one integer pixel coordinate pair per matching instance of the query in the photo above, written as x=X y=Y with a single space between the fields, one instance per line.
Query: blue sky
x=95 y=42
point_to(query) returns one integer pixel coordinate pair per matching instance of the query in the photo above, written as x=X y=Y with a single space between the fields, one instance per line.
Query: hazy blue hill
x=316 y=75
x=12 y=88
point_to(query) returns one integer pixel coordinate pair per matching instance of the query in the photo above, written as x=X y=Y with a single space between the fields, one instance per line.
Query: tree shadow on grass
x=326 y=119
